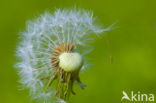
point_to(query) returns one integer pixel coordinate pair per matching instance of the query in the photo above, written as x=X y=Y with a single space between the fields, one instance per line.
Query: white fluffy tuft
x=42 y=35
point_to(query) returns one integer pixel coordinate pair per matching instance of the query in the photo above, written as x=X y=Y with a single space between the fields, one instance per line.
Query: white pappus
x=49 y=40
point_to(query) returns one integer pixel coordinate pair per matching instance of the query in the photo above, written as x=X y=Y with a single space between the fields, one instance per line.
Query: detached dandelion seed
x=51 y=53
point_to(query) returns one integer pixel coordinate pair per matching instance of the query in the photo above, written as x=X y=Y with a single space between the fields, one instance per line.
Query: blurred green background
x=132 y=45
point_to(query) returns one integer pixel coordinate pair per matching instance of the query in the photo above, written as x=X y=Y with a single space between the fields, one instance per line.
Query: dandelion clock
x=52 y=53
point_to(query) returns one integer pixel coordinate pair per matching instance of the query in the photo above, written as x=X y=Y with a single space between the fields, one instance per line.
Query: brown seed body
x=65 y=79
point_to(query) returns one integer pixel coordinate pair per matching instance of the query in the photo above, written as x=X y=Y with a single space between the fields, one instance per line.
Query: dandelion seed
x=51 y=56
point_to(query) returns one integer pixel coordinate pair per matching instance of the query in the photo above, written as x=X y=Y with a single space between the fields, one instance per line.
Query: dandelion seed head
x=42 y=36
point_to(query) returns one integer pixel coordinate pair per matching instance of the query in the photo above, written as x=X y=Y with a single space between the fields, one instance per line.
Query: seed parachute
x=52 y=53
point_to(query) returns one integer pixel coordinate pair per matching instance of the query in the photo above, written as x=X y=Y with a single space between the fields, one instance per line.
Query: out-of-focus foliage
x=131 y=45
